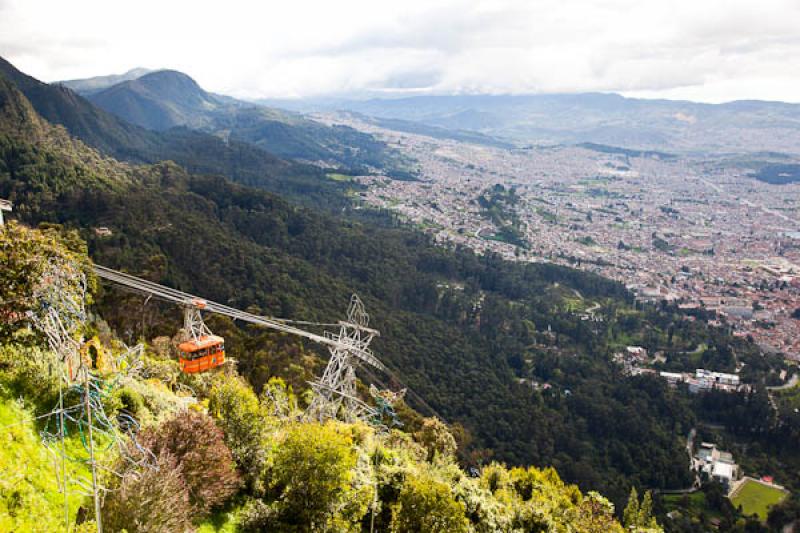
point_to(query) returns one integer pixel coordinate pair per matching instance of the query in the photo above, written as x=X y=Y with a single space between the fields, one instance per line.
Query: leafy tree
x=630 y=517
x=645 y=518
x=235 y=407
x=428 y=505
x=638 y=516
x=312 y=478
x=437 y=439
x=595 y=513
x=24 y=254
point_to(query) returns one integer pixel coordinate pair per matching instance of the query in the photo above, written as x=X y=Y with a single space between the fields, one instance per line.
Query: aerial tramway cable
x=168 y=294
x=185 y=299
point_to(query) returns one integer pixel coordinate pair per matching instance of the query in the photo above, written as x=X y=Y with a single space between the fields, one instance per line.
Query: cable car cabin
x=202 y=354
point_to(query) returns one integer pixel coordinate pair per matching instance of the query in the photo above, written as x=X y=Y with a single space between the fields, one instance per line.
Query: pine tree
x=645 y=518
x=630 y=516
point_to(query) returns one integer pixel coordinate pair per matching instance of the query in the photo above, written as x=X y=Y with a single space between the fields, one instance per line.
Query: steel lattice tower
x=335 y=392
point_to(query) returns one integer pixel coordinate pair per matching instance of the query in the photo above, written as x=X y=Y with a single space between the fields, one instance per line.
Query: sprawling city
x=697 y=231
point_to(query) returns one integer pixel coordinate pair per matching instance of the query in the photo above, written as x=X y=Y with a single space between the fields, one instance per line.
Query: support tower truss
x=193 y=325
x=335 y=392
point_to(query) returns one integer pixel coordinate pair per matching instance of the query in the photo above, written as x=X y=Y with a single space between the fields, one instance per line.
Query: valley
x=697 y=232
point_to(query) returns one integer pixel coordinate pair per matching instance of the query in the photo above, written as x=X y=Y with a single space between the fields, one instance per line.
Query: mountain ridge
x=602 y=118
x=197 y=151
x=158 y=100
x=85 y=86
x=167 y=99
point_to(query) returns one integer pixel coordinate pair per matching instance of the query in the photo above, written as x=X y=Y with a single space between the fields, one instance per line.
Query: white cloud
x=711 y=50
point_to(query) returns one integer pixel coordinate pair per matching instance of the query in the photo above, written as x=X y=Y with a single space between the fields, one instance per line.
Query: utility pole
x=95 y=492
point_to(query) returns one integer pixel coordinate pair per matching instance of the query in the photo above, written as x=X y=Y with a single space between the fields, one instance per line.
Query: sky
x=702 y=50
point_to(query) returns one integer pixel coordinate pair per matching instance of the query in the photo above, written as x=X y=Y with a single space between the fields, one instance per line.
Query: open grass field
x=756 y=498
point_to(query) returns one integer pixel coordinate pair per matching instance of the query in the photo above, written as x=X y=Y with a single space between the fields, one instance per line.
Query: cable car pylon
x=334 y=393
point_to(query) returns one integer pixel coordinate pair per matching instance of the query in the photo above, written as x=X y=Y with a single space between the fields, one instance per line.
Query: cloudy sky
x=705 y=50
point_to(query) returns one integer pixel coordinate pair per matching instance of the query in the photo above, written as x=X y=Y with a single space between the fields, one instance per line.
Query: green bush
x=428 y=505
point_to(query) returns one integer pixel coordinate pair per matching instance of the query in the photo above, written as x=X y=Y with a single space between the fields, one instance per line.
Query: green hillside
x=224 y=456
x=248 y=248
x=197 y=151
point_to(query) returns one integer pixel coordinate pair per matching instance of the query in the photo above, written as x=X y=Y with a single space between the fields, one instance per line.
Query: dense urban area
x=699 y=232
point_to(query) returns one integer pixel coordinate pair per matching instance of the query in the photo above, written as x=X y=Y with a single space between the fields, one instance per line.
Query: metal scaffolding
x=60 y=314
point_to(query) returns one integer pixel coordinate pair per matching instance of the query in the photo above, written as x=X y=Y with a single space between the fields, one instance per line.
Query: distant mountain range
x=166 y=99
x=610 y=119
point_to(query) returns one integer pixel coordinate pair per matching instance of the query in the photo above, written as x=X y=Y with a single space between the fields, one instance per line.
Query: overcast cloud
x=707 y=50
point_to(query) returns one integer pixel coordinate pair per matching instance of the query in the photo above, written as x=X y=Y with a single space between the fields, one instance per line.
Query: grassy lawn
x=756 y=498
x=339 y=177
x=694 y=504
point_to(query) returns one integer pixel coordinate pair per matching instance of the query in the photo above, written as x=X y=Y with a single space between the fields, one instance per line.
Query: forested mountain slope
x=205 y=452
x=167 y=99
x=197 y=151
x=461 y=330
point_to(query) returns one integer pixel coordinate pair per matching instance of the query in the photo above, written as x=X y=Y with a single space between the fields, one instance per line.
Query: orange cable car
x=201 y=354
x=201 y=350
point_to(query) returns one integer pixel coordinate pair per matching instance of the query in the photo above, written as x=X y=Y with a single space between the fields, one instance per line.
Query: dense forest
x=206 y=452
x=499 y=350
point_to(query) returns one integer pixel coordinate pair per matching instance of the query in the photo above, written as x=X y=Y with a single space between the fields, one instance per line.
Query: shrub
x=152 y=500
x=200 y=453
x=436 y=439
x=256 y=516
x=234 y=406
x=312 y=478
x=131 y=401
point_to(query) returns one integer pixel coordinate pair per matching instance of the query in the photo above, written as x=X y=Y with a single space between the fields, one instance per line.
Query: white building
x=716 y=465
x=5 y=205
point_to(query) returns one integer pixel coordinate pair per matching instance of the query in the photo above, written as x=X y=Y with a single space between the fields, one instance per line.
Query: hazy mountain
x=593 y=117
x=159 y=101
x=197 y=151
x=98 y=83
x=167 y=98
